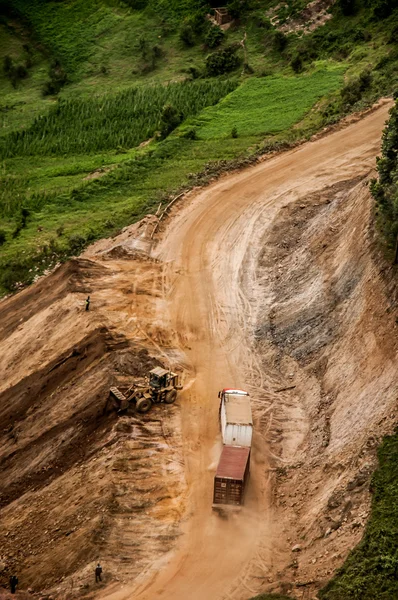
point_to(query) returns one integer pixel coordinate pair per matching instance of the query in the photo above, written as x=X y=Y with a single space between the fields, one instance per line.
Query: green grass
x=113 y=101
x=56 y=194
x=371 y=570
x=120 y=120
x=268 y=105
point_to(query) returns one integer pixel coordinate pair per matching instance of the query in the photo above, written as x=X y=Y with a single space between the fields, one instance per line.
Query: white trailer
x=236 y=418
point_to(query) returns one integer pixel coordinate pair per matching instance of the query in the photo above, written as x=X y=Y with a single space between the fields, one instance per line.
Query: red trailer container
x=231 y=477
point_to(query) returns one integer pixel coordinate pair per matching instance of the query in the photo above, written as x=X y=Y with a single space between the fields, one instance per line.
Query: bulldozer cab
x=161 y=378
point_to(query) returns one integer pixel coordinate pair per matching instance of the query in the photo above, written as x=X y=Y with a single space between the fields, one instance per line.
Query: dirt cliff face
x=330 y=332
x=79 y=483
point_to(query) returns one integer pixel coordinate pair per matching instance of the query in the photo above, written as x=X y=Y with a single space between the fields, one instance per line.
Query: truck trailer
x=236 y=418
x=231 y=477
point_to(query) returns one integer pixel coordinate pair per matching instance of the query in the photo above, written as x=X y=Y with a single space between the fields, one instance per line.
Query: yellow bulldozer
x=162 y=387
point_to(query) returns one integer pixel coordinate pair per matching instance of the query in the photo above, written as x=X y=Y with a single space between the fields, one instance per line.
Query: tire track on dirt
x=210 y=249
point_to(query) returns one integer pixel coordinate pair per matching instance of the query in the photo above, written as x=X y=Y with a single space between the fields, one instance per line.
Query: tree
x=169 y=120
x=223 y=61
x=385 y=189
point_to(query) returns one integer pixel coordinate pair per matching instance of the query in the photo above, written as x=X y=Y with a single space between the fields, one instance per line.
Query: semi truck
x=236 y=422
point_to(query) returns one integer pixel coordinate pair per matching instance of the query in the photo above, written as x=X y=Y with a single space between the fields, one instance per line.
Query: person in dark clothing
x=88 y=303
x=13 y=583
x=98 y=571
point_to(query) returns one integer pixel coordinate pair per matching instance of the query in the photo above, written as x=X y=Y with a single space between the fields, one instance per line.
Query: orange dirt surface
x=266 y=280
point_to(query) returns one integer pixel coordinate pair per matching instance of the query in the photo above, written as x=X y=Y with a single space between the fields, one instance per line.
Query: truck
x=236 y=423
x=236 y=417
x=231 y=477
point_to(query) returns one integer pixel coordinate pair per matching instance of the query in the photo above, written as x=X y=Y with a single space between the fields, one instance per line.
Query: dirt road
x=210 y=252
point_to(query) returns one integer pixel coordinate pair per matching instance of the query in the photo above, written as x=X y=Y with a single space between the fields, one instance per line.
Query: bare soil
x=268 y=280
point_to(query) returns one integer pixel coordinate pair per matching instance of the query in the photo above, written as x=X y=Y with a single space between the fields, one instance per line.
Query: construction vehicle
x=232 y=476
x=161 y=387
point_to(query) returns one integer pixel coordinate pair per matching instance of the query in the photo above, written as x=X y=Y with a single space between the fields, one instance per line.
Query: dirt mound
x=75 y=478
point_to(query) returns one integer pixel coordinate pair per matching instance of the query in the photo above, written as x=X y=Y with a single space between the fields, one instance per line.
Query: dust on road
x=209 y=303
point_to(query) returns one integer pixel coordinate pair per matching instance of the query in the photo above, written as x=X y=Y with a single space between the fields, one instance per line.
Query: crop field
x=121 y=120
x=50 y=205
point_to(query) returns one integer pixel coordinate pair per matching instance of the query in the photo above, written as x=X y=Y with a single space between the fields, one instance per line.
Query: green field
x=268 y=105
x=119 y=67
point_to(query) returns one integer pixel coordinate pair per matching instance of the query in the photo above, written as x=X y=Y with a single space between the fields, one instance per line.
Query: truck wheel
x=143 y=405
x=170 y=396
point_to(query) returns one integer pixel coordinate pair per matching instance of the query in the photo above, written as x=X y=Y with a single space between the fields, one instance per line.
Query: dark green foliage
x=21 y=221
x=7 y=64
x=76 y=243
x=15 y=73
x=348 y=7
x=223 y=61
x=371 y=570
x=120 y=120
x=214 y=36
x=169 y=120
x=385 y=189
x=353 y=90
x=58 y=78
x=3 y=236
x=136 y=4
x=187 y=34
x=296 y=63
x=190 y=134
x=279 y=41
x=383 y=8
x=237 y=8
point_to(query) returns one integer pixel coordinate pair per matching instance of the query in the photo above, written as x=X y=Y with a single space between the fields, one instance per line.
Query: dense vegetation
x=371 y=570
x=385 y=189
x=121 y=120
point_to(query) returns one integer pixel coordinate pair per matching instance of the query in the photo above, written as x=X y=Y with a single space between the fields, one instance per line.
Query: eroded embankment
x=330 y=331
x=78 y=483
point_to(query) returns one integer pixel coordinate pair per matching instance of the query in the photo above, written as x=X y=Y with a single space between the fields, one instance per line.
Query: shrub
x=383 y=8
x=194 y=72
x=279 y=41
x=58 y=78
x=190 y=134
x=348 y=7
x=214 y=36
x=296 y=63
x=187 y=35
x=237 y=7
x=7 y=64
x=351 y=92
x=223 y=61
x=248 y=69
x=169 y=120
x=76 y=243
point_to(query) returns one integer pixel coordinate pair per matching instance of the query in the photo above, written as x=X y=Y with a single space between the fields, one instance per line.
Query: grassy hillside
x=85 y=82
x=370 y=572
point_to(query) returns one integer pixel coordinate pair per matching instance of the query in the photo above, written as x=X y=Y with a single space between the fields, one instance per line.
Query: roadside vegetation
x=371 y=570
x=109 y=108
x=385 y=188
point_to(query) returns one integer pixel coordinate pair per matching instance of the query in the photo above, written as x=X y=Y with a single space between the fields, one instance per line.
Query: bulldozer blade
x=118 y=395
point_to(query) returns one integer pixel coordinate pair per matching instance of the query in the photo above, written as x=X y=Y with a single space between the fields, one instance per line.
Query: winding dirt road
x=209 y=252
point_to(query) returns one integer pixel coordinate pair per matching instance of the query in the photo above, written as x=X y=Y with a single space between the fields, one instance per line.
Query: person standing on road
x=88 y=303
x=98 y=571
x=13 y=583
